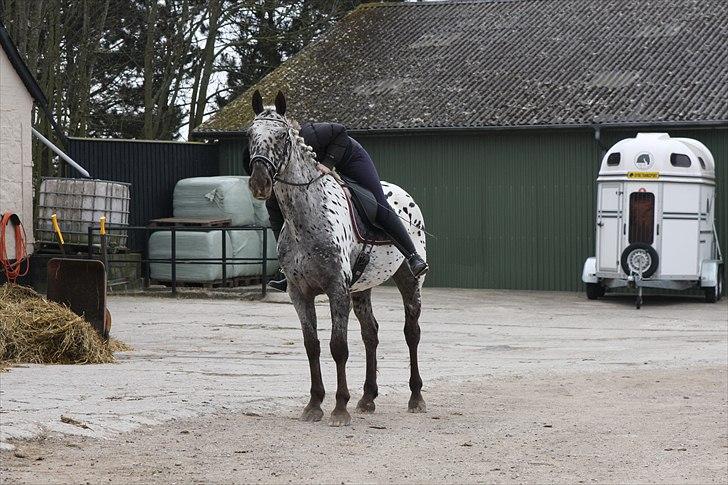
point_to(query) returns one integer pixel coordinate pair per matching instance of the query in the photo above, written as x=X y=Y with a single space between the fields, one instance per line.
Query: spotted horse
x=317 y=249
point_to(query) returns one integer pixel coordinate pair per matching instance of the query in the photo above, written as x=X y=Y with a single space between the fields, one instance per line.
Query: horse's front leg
x=306 y=310
x=340 y=303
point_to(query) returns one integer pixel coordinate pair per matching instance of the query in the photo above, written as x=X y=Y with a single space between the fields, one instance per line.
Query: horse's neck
x=303 y=207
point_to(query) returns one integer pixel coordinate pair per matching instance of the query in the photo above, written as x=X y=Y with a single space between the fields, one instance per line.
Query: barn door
x=609 y=222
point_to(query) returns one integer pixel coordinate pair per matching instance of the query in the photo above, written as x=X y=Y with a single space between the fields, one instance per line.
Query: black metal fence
x=173 y=260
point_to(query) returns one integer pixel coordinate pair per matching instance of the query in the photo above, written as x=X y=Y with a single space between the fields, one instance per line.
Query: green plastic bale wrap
x=225 y=197
x=249 y=244
x=190 y=245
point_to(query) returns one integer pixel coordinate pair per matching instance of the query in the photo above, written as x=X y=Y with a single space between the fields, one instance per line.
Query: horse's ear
x=280 y=103
x=257 y=103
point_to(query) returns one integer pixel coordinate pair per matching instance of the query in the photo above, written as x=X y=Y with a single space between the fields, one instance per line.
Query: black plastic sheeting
x=152 y=168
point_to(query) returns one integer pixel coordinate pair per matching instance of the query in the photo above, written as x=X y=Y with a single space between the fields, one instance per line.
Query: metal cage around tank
x=80 y=203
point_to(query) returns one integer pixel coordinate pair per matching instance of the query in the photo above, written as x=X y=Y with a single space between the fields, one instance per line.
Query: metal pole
x=60 y=153
x=264 y=279
x=90 y=241
x=224 y=260
x=146 y=266
x=174 y=261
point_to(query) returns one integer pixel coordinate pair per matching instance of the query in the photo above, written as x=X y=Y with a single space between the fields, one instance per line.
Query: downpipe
x=61 y=154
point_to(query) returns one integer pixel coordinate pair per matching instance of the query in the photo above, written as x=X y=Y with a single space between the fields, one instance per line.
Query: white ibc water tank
x=80 y=203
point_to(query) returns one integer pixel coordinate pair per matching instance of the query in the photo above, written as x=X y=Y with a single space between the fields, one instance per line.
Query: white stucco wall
x=16 y=162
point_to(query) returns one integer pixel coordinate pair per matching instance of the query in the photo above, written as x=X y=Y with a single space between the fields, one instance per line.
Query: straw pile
x=37 y=331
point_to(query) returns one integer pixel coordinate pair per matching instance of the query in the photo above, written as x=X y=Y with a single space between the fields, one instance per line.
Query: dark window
x=641 y=217
x=679 y=160
x=702 y=162
x=614 y=159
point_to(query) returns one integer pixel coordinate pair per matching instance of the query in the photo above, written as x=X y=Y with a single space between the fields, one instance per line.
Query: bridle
x=271 y=167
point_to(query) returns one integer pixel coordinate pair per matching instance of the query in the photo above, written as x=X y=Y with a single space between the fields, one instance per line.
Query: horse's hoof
x=340 y=418
x=365 y=406
x=312 y=414
x=417 y=405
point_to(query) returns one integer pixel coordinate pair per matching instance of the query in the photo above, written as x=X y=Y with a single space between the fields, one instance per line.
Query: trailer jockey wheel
x=640 y=258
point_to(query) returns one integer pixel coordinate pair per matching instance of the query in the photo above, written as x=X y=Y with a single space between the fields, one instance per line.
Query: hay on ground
x=37 y=331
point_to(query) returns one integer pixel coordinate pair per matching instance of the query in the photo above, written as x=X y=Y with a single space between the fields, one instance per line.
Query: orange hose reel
x=16 y=269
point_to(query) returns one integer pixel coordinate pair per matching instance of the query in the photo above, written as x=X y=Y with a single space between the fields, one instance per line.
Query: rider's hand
x=323 y=168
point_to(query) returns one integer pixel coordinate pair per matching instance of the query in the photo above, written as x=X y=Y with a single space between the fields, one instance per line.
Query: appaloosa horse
x=317 y=249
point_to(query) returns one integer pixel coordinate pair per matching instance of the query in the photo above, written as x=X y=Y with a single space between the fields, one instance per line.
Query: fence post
x=174 y=261
x=224 y=259
x=90 y=241
x=146 y=267
x=264 y=278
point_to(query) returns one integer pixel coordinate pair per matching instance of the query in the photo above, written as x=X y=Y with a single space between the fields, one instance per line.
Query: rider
x=334 y=148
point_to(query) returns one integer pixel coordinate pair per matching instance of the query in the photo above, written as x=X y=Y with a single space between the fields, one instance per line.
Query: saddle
x=363 y=208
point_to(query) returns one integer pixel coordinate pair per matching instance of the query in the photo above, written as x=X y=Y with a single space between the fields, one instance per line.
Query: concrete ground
x=520 y=386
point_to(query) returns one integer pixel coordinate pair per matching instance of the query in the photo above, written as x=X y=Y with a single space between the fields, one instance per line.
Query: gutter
x=582 y=126
x=128 y=140
x=596 y=127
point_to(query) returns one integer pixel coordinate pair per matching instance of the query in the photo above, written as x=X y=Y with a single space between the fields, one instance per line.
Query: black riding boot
x=278 y=282
x=393 y=226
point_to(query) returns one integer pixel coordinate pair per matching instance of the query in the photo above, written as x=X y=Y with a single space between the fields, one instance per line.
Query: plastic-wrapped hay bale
x=261 y=213
x=272 y=252
x=249 y=244
x=225 y=197
x=189 y=245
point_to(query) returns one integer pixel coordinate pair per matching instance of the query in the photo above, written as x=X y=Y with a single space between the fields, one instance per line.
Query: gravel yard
x=520 y=386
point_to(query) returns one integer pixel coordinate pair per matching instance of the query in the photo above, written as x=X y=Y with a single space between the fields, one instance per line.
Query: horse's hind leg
x=340 y=304
x=369 y=329
x=307 y=315
x=409 y=287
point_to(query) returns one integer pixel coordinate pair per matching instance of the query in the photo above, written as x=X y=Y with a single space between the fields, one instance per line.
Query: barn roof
x=505 y=63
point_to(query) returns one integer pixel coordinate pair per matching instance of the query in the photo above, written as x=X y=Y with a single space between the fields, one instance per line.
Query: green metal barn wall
x=509 y=209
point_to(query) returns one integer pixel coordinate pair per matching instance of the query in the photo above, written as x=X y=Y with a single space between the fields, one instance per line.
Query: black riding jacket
x=330 y=142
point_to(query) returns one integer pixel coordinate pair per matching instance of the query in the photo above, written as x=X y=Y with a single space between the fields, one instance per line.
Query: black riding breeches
x=275 y=215
x=360 y=167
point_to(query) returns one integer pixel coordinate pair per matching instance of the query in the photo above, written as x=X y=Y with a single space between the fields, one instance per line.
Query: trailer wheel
x=714 y=293
x=640 y=257
x=594 y=290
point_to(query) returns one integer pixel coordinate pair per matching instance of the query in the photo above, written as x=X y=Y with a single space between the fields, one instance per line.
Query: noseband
x=271 y=167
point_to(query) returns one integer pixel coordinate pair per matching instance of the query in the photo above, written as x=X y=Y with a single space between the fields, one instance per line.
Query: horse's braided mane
x=307 y=152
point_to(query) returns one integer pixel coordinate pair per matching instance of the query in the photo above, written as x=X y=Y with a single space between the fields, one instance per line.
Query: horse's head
x=269 y=142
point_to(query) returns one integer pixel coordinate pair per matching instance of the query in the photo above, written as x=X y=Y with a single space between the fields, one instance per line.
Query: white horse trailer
x=655 y=222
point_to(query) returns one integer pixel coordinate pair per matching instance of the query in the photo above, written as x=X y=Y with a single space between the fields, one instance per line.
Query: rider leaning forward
x=334 y=148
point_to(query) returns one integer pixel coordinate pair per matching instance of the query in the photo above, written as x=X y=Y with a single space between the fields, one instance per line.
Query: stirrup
x=417 y=265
